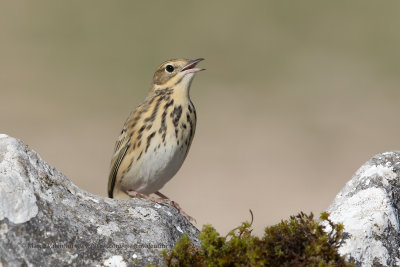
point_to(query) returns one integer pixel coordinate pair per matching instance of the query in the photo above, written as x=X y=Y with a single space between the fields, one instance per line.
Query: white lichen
x=86 y=197
x=385 y=173
x=17 y=201
x=365 y=215
x=108 y=229
x=115 y=261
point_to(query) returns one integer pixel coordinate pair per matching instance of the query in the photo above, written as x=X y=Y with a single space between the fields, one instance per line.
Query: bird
x=156 y=136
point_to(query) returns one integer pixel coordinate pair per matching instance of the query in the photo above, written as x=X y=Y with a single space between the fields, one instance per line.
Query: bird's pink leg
x=175 y=205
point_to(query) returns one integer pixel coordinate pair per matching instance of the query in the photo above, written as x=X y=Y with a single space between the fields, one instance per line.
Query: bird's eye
x=169 y=68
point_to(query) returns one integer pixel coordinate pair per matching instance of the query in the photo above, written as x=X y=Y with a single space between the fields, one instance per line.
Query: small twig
x=252 y=217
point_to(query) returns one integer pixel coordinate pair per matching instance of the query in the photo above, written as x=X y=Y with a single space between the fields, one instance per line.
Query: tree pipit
x=157 y=136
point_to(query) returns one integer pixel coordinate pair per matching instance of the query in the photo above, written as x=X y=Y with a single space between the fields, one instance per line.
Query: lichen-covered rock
x=45 y=220
x=368 y=206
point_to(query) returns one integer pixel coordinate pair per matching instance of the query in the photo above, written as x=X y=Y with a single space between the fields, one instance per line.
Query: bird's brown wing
x=122 y=146
x=119 y=153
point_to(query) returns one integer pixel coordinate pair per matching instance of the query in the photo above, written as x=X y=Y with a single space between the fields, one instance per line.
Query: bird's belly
x=154 y=168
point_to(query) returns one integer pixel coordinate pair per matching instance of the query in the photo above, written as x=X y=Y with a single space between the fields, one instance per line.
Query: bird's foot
x=175 y=205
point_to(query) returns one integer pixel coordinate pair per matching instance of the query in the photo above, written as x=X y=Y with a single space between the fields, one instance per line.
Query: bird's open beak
x=190 y=67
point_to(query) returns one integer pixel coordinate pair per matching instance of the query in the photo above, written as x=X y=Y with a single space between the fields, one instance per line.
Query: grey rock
x=45 y=220
x=368 y=206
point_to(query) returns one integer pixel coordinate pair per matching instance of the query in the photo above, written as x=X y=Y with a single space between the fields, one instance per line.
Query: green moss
x=299 y=241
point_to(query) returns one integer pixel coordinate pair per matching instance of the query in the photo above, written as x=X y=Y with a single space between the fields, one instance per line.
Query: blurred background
x=297 y=95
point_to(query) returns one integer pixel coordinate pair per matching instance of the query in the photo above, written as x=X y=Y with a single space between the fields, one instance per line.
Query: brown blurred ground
x=296 y=96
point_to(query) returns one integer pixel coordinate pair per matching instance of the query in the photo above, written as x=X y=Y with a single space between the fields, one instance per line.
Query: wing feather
x=120 y=150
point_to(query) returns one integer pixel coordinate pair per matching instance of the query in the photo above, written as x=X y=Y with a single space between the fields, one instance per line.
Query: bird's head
x=176 y=72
